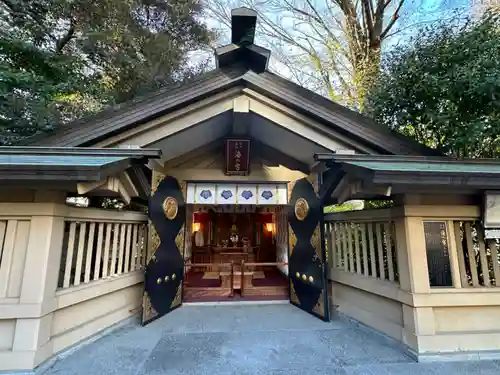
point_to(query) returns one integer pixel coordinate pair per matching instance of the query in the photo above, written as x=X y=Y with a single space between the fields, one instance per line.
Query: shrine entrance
x=233 y=242
x=236 y=242
x=238 y=252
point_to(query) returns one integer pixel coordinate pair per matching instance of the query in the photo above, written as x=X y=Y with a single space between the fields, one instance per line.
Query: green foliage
x=35 y=88
x=443 y=88
x=338 y=208
x=347 y=206
x=369 y=205
x=63 y=59
x=358 y=205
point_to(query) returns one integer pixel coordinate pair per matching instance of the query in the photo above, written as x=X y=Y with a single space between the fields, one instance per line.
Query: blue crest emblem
x=226 y=194
x=266 y=194
x=247 y=194
x=205 y=194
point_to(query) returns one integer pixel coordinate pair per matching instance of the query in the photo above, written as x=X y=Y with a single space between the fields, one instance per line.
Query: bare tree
x=331 y=46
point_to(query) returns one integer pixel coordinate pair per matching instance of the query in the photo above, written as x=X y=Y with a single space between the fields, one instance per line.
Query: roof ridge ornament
x=243 y=50
x=243 y=24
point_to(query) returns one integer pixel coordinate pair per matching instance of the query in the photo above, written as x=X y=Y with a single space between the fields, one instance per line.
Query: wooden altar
x=217 y=254
x=233 y=257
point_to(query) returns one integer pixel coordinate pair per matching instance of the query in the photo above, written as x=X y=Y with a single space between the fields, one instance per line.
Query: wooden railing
x=478 y=259
x=237 y=280
x=252 y=266
x=95 y=249
x=195 y=289
x=363 y=244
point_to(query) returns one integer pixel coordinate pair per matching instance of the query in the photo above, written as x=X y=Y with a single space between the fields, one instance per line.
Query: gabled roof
x=91 y=130
x=121 y=117
x=240 y=65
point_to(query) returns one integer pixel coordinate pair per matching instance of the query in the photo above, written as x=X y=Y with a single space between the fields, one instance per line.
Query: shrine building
x=216 y=191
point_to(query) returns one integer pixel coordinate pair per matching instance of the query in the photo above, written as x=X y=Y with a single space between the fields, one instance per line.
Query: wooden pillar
x=413 y=278
x=411 y=253
x=39 y=282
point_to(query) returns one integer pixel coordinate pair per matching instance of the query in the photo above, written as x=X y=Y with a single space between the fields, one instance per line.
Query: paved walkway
x=244 y=340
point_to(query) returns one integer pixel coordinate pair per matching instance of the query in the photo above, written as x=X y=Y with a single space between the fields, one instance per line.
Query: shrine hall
x=220 y=190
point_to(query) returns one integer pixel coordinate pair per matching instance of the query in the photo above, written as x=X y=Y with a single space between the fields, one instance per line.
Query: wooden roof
x=96 y=128
x=68 y=163
x=240 y=65
x=406 y=174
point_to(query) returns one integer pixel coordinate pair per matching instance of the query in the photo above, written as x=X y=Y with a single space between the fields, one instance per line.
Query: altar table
x=226 y=280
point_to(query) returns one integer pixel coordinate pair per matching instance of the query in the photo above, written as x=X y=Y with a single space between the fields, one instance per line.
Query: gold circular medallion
x=158 y=281
x=166 y=278
x=311 y=279
x=297 y=275
x=301 y=209
x=170 y=208
x=304 y=277
x=173 y=276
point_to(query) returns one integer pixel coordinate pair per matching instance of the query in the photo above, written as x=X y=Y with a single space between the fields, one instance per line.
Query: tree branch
x=368 y=18
x=393 y=20
x=61 y=43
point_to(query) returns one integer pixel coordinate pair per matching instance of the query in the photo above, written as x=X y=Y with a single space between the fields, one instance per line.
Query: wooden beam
x=155 y=164
x=184 y=158
x=329 y=181
x=241 y=123
x=140 y=181
x=129 y=184
x=124 y=193
x=85 y=187
x=273 y=155
x=241 y=116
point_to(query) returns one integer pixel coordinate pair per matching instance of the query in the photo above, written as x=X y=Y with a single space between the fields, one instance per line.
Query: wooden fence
x=95 y=249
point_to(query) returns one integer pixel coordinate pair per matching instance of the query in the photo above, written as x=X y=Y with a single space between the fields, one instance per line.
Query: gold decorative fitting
x=297 y=275
x=311 y=279
x=173 y=276
x=153 y=258
x=301 y=209
x=158 y=281
x=304 y=277
x=170 y=208
x=167 y=278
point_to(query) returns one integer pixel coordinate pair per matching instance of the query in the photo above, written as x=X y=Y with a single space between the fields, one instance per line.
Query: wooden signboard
x=237 y=157
x=438 y=260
